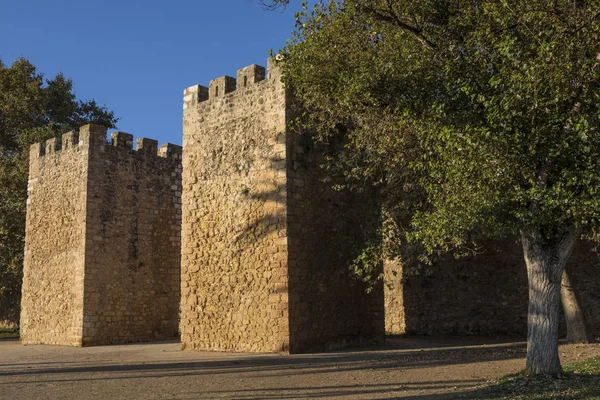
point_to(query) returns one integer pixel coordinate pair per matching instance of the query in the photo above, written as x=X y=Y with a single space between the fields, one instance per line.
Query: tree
x=477 y=118
x=31 y=110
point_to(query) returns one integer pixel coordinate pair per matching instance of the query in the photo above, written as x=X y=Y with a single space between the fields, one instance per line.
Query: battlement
x=94 y=136
x=219 y=87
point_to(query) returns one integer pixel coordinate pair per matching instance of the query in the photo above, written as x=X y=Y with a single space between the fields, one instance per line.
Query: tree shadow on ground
x=385 y=391
x=572 y=387
x=387 y=357
x=355 y=374
x=404 y=368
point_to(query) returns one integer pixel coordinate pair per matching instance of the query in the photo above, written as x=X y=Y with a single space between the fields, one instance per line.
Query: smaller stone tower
x=102 y=245
x=266 y=244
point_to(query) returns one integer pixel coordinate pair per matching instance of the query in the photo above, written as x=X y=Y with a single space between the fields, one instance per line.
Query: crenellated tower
x=102 y=246
x=265 y=242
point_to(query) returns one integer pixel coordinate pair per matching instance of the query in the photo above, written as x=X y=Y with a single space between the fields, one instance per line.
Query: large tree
x=478 y=118
x=31 y=109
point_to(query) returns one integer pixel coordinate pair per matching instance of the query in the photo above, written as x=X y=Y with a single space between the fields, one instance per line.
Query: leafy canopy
x=477 y=118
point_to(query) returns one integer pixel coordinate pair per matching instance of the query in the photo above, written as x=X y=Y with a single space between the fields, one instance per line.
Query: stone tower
x=102 y=261
x=265 y=243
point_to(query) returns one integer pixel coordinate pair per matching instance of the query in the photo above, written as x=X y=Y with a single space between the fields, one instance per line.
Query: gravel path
x=405 y=368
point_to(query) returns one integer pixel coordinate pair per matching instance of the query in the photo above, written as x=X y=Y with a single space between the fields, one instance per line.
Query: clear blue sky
x=136 y=57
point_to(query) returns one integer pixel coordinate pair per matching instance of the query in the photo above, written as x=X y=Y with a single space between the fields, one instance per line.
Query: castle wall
x=102 y=241
x=265 y=243
x=486 y=294
x=584 y=268
x=133 y=241
x=52 y=300
x=234 y=235
x=327 y=229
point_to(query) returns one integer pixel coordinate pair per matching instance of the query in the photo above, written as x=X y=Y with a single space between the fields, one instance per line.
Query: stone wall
x=584 y=272
x=52 y=300
x=327 y=229
x=102 y=241
x=263 y=268
x=486 y=294
x=248 y=244
x=395 y=322
x=234 y=235
x=133 y=241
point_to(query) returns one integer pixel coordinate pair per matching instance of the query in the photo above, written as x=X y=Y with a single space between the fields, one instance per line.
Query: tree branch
x=393 y=18
x=273 y=4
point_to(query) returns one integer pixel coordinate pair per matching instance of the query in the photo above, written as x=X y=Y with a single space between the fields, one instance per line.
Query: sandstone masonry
x=484 y=295
x=247 y=249
x=265 y=243
x=102 y=244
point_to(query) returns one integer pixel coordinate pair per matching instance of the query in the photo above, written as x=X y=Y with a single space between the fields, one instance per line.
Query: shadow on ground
x=403 y=368
x=382 y=357
x=384 y=372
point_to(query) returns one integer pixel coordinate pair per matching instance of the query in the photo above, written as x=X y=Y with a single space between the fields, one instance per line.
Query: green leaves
x=476 y=117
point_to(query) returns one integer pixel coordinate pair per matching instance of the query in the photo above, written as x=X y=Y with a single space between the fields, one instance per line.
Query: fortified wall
x=246 y=250
x=265 y=243
x=102 y=240
x=485 y=294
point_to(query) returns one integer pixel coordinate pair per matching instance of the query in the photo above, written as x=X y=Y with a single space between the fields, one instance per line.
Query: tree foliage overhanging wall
x=477 y=118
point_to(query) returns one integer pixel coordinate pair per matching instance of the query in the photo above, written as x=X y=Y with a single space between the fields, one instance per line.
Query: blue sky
x=136 y=57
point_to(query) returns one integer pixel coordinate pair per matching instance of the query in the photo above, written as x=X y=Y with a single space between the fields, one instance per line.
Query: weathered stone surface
x=395 y=323
x=265 y=244
x=102 y=258
x=234 y=241
x=248 y=244
x=485 y=294
x=52 y=301
x=327 y=229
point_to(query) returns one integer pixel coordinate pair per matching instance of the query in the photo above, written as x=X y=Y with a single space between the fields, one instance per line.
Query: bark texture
x=577 y=328
x=546 y=258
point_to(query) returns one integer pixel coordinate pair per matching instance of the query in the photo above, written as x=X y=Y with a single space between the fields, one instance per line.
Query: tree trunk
x=546 y=259
x=577 y=329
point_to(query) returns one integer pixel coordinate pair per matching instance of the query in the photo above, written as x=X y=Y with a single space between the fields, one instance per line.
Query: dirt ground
x=405 y=368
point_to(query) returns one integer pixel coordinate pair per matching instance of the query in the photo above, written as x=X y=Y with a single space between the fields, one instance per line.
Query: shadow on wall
x=266 y=243
x=326 y=230
x=485 y=294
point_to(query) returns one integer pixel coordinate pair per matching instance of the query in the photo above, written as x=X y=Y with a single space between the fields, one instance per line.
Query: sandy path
x=405 y=368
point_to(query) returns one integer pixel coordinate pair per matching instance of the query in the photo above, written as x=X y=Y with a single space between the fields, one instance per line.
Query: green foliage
x=8 y=331
x=477 y=118
x=31 y=110
x=367 y=266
